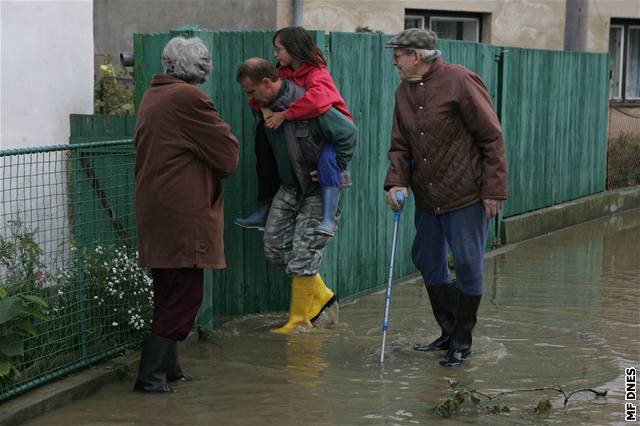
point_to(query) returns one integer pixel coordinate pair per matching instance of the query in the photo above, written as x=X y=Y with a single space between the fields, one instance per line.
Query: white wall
x=46 y=69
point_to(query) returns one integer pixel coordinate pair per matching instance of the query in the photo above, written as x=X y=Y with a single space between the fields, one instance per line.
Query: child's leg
x=329 y=179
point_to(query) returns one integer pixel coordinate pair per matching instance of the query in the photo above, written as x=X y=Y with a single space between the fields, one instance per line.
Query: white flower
x=115 y=324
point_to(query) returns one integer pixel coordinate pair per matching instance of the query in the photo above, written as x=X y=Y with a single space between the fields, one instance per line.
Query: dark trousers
x=177 y=296
x=464 y=231
x=266 y=167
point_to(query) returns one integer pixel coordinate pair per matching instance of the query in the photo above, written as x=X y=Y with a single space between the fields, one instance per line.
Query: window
x=450 y=25
x=412 y=21
x=624 y=60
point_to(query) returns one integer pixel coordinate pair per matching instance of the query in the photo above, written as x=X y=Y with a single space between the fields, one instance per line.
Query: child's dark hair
x=300 y=45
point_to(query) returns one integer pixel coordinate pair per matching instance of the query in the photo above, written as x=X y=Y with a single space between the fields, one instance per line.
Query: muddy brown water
x=558 y=310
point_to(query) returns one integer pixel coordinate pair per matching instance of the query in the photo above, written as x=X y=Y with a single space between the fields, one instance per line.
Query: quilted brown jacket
x=446 y=141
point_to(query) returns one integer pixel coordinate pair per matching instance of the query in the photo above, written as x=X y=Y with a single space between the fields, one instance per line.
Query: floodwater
x=558 y=310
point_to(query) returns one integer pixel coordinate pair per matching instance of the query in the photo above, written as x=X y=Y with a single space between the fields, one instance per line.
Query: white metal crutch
x=396 y=221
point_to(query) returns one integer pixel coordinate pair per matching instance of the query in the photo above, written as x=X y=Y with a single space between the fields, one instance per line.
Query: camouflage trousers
x=290 y=240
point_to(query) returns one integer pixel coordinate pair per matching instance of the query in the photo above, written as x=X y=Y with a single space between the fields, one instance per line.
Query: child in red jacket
x=301 y=62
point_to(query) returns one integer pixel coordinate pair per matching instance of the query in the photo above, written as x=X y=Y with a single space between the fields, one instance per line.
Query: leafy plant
x=20 y=258
x=459 y=396
x=113 y=94
x=490 y=404
x=114 y=280
x=17 y=317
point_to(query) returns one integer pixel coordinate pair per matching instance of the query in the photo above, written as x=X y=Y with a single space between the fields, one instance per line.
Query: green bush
x=22 y=268
x=81 y=303
x=112 y=91
x=17 y=317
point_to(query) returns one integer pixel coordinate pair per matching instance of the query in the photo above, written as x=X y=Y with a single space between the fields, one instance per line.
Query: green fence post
x=81 y=306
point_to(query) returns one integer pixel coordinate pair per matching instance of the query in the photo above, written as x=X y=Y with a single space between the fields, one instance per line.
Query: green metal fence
x=554 y=116
x=67 y=238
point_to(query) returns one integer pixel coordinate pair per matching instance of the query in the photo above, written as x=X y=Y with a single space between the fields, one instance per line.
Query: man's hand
x=274 y=120
x=390 y=198
x=314 y=175
x=492 y=207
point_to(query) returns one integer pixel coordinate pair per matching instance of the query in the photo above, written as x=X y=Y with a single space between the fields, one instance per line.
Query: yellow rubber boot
x=302 y=289
x=323 y=297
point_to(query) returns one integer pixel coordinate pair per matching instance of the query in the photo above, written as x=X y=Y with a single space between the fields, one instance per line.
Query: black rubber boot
x=255 y=220
x=330 y=197
x=174 y=372
x=444 y=303
x=466 y=318
x=152 y=374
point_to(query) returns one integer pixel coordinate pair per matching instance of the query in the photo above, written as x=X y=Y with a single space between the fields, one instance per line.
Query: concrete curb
x=543 y=221
x=73 y=387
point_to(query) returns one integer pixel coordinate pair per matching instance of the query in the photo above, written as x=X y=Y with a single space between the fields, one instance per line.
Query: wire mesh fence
x=623 y=152
x=70 y=288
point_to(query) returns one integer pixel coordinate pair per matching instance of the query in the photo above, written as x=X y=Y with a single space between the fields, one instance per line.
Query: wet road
x=557 y=310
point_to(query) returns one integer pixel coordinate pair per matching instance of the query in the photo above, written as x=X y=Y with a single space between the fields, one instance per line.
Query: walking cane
x=385 y=324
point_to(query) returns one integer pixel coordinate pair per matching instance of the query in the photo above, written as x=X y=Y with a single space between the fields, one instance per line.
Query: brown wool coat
x=183 y=151
x=446 y=141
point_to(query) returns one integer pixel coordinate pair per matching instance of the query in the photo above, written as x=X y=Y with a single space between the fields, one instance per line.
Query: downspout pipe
x=576 y=25
x=297 y=13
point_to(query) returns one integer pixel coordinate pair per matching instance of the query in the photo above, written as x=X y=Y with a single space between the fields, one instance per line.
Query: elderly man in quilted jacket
x=447 y=145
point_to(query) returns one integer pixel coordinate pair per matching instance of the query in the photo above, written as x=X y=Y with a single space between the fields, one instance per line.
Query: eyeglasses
x=397 y=55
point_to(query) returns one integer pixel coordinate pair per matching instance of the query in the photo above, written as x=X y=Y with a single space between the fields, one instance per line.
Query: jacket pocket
x=309 y=146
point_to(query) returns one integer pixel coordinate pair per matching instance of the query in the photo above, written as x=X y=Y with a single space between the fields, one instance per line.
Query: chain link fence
x=623 y=153
x=71 y=292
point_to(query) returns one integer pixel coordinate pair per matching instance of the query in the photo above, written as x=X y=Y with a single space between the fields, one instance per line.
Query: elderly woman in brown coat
x=183 y=152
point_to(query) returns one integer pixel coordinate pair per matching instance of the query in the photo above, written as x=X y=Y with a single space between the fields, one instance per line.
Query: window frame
x=428 y=14
x=636 y=99
x=420 y=17
x=618 y=98
x=458 y=19
x=626 y=25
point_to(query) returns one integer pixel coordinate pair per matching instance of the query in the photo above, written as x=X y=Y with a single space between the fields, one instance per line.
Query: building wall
x=46 y=70
x=115 y=21
x=537 y=24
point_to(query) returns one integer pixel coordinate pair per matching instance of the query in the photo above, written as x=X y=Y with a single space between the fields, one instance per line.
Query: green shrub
x=18 y=315
x=112 y=91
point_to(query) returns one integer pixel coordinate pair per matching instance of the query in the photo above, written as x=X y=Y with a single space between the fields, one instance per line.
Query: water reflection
x=562 y=309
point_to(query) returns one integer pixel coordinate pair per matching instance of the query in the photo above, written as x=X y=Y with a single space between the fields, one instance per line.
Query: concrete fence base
x=543 y=221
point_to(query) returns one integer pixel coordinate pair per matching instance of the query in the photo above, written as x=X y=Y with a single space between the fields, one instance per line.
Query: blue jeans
x=328 y=170
x=464 y=231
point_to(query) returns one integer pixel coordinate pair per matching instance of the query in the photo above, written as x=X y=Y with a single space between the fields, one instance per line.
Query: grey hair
x=187 y=59
x=426 y=55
